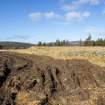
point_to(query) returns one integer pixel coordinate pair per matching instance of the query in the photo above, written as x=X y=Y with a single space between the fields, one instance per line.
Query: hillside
x=14 y=45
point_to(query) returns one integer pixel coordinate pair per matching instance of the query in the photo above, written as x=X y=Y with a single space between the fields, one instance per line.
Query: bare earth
x=41 y=80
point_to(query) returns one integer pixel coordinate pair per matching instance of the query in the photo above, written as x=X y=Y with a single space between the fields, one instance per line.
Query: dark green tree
x=88 y=41
x=1 y=47
x=39 y=43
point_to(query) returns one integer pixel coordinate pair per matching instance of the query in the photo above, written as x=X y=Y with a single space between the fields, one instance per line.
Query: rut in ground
x=41 y=80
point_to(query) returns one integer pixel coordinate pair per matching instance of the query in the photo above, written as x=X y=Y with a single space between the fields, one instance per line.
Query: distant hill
x=15 y=45
x=74 y=43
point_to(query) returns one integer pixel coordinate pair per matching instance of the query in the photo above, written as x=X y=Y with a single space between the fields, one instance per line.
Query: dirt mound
x=40 y=80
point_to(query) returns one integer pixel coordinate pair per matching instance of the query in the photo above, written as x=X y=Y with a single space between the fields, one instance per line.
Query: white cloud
x=76 y=16
x=40 y=15
x=69 y=16
x=91 y=29
x=97 y=31
x=35 y=16
x=51 y=15
x=72 y=16
x=86 y=14
x=78 y=3
x=94 y=2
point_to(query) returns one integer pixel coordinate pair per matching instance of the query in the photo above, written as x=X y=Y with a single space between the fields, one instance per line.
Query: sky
x=47 y=20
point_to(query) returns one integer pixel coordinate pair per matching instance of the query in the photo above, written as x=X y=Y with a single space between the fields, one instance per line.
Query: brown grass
x=25 y=98
x=87 y=53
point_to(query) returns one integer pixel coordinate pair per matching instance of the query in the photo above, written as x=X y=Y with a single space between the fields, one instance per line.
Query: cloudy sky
x=48 y=20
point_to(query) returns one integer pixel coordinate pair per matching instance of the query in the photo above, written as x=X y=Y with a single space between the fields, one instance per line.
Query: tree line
x=88 y=42
x=56 y=43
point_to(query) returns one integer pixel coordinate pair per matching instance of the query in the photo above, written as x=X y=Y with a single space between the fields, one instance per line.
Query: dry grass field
x=95 y=55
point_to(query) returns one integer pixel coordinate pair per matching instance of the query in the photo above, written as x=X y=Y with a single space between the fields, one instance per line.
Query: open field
x=93 y=54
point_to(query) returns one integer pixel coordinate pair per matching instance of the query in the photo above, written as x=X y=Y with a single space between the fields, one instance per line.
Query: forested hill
x=14 y=45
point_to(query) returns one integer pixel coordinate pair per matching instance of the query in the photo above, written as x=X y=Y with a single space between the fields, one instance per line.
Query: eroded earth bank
x=41 y=80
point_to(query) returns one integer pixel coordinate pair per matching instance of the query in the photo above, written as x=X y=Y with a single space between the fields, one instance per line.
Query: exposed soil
x=41 y=80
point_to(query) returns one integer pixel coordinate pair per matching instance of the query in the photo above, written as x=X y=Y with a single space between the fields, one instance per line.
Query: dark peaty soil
x=40 y=80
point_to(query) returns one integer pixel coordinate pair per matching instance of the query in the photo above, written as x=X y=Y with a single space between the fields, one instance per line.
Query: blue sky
x=48 y=20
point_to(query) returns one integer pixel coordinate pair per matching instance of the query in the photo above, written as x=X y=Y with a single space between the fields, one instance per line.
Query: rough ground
x=41 y=80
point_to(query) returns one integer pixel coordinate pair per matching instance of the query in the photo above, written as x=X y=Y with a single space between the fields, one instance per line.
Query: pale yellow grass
x=63 y=53
x=25 y=98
